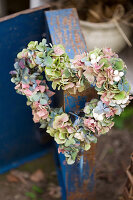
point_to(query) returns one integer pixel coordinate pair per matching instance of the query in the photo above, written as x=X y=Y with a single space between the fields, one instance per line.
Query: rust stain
x=58 y=36
x=75 y=17
x=51 y=21
x=77 y=37
x=70 y=20
x=76 y=21
x=65 y=37
x=66 y=32
x=89 y=92
x=80 y=43
x=65 y=21
x=58 y=21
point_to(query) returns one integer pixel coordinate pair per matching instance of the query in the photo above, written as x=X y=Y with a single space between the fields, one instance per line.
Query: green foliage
x=37 y=189
x=31 y=195
x=118 y=65
x=120 y=96
x=36 y=192
x=126 y=115
x=104 y=62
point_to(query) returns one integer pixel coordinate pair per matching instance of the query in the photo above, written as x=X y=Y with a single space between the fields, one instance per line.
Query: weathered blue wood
x=79 y=178
x=19 y=136
x=64 y=29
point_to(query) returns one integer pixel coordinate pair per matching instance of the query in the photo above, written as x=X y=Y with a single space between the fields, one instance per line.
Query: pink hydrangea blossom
x=24 y=54
x=109 y=74
x=17 y=87
x=106 y=76
x=60 y=121
x=69 y=85
x=43 y=88
x=39 y=112
x=100 y=80
x=70 y=129
x=89 y=74
x=24 y=88
x=38 y=82
x=39 y=87
x=111 y=113
x=107 y=97
x=90 y=124
x=21 y=64
x=27 y=92
x=49 y=93
x=101 y=129
x=61 y=150
x=77 y=60
x=108 y=52
x=58 y=51
x=97 y=67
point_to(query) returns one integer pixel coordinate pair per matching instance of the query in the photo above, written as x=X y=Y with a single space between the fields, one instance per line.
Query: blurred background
x=104 y=23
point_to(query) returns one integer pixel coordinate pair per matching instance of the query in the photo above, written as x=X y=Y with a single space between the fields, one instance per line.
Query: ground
x=37 y=180
x=113 y=158
x=25 y=182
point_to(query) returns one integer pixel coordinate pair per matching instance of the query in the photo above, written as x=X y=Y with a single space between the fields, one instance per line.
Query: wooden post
x=79 y=178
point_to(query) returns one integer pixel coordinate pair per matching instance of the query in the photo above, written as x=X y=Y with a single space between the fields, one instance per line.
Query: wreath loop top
x=100 y=68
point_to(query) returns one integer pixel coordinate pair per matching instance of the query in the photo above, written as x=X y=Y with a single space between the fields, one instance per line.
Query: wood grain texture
x=64 y=29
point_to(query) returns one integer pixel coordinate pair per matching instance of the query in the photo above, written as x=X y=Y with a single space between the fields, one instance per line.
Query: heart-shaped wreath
x=100 y=68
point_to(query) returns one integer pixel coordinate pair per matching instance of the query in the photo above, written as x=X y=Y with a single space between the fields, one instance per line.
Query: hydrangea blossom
x=100 y=68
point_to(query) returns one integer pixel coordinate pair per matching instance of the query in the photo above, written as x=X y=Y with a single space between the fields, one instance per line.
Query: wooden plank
x=79 y=178
x=20 y=139
x=64 y=29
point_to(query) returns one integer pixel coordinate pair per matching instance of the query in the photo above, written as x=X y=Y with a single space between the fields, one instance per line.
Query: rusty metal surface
x=64 y=29
x=76 y=102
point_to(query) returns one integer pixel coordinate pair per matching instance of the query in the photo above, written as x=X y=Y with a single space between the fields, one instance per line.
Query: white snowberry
x=121 y=74
x=98 y=58
x=116 y=72
x=93 y=61
x=119 y=101
x=123 y=105
x=116 y=78
x=100 y=117
x=93 y=56
x=125 y=100
x=95 y=115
